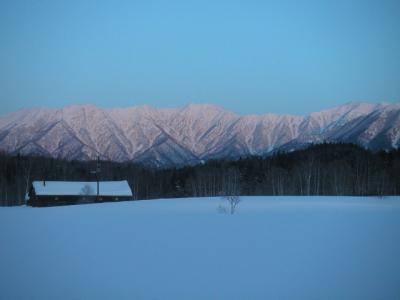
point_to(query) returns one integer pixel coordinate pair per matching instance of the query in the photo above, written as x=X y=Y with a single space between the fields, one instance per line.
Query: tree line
x=323 y=169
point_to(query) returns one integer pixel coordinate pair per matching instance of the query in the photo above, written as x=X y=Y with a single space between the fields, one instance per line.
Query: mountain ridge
x=192 y=133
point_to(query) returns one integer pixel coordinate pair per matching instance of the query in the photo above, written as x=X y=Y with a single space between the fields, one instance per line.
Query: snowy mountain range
x=192 y=134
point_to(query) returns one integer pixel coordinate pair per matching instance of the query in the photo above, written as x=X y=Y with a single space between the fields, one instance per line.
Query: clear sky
x=247 y=56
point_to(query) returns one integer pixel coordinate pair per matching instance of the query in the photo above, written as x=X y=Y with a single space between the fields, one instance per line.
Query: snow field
x=271 y=248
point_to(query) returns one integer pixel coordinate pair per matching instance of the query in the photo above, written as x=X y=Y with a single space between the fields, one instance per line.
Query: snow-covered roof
x=76 y=188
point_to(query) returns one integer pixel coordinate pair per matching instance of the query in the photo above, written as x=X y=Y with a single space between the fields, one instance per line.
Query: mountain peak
x=190 y=134
x=202 y=107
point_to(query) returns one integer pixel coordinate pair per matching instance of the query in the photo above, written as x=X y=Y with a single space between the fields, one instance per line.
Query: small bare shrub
x=233 y=202
x=87 y=190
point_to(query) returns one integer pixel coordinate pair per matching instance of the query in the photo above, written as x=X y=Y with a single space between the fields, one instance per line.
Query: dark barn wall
x=69 y=200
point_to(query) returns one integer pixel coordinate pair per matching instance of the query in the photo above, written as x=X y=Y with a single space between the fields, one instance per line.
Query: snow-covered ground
x=271 y=248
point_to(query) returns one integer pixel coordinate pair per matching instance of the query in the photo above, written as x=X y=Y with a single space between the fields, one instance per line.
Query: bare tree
x=87 y=190
x=27 y=177
x=233 y=201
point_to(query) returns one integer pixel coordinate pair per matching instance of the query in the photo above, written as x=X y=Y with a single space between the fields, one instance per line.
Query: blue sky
x=247 y=56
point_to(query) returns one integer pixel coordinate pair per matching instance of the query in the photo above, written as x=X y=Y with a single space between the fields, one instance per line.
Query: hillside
x=324 y=169
x=191 y=134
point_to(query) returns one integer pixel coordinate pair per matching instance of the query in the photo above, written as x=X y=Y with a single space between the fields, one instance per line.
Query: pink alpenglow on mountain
x=192 y=134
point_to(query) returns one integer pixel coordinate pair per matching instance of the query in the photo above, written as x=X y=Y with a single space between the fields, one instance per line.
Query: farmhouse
x=49 y=193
